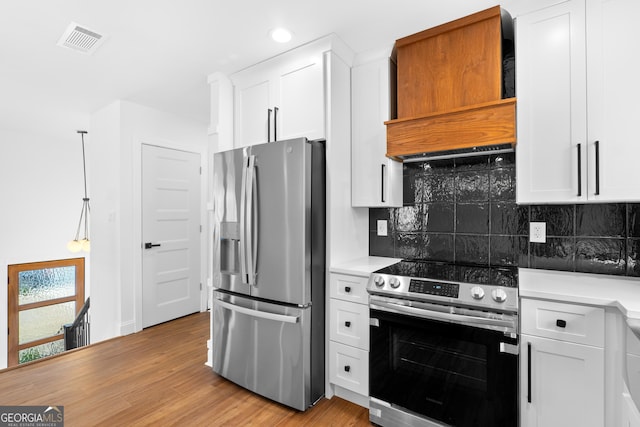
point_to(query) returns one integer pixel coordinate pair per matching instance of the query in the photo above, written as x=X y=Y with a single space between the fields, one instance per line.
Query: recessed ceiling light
x=281 y=35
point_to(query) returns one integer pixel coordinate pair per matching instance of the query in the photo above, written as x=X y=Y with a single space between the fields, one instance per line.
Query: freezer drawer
x=266 y=348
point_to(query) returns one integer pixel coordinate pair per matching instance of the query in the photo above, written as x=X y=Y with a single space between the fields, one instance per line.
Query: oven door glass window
x=448 y=372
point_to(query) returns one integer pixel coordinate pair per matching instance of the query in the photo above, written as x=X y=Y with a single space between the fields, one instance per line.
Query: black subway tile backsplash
x=633 y=219
x=438 y=247
x=556 y=254
x=381 y=245
x=633 y=257
x=438 y=217
x=472 y=218
x=464 y=211
x=408 y=218
x=602 y=220
x=472 y=186
x=504 y=250
x=409 y=245
x=472 y=249
x=504 y=218
x=435 y=187
x=502 y=183
x=559 y=218
x=597 y=255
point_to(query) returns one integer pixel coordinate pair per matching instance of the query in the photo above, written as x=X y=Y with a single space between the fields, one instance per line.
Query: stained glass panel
x=43 y=322
x=39 y=351
x=45 y=284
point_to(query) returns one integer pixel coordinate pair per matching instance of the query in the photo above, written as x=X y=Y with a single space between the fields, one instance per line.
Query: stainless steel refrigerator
x=269 y=269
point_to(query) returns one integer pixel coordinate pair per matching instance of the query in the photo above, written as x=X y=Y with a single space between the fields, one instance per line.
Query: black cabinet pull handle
x=579 y=170
x=275 y=123
x=347 y=368
x=269 y=110
x=347 y=289
x=382 y=183
x=347 y=324
x=561 y=323
x=150 y=245
x=529 y=372
x=597 y=144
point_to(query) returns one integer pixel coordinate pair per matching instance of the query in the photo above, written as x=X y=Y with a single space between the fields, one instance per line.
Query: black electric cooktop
x=464 y=273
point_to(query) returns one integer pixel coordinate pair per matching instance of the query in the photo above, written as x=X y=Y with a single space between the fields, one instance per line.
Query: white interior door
x=170 y=233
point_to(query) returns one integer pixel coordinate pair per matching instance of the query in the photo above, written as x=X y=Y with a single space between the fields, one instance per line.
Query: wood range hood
x=455 y=88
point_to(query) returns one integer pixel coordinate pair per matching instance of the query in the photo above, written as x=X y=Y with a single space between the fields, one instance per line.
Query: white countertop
x=363 y=266
x=583 y=288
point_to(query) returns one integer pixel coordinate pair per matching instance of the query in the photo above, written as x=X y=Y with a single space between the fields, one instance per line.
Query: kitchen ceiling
x=159 y=52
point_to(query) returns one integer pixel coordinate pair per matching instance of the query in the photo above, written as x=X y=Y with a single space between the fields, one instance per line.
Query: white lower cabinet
x=349 y=336
x=562 y=383
x=350 y=324
x=562 y=379
x=349 y=367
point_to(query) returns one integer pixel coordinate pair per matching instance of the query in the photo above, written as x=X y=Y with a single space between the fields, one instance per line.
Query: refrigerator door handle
x=257 y=313
x=243 y=223
x=251 y=223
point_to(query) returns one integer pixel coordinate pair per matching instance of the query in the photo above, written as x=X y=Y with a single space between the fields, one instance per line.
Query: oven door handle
x=436 y=315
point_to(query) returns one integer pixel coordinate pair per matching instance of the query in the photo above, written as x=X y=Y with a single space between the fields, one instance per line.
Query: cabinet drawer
x=349 y=323
x=349 y=367
x=575 y=323
x=349 y=288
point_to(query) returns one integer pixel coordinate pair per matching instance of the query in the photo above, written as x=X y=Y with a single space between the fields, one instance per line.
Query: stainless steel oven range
x=444 y=345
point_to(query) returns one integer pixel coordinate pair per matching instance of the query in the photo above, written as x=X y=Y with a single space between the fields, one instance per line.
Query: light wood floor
x=157 y=377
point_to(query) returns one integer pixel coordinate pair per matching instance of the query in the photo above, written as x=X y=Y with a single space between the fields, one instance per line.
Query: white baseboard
x=127 y=328
x=351 y=396
x=209 y=361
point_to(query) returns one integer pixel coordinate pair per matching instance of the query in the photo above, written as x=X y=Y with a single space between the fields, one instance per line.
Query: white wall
x=42 y=188
x=347 y=227
x=104 y=162
x=122 y=128
x=41 y=191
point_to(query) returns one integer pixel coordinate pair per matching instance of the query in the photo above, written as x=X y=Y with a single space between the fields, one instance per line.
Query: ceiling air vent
x=81 y=39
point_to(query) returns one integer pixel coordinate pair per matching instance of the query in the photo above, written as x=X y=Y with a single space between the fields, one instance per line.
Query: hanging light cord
x=84 y=165
x=85 y=201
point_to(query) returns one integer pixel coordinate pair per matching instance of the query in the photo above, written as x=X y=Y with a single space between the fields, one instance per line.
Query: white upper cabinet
x=252 y=104
x=576 y=102
x=281 y=98
x=376 y=179
x=613 y=86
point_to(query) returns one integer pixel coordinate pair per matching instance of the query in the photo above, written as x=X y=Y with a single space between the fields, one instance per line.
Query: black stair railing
x=76 y=334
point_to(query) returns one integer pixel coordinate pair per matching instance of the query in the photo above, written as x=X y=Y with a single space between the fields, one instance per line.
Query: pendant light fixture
x=77 y=245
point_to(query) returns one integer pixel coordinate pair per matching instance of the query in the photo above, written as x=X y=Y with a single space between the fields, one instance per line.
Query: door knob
x=150 y=245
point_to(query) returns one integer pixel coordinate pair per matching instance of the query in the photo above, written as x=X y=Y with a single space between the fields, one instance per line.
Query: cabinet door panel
x=350 y=323
x=551 y=115
x=349 y=367
x=252 y=102
x=376 y=180
x=567 y=384
x=614 y=88
x=349 y=288
x=301 y=104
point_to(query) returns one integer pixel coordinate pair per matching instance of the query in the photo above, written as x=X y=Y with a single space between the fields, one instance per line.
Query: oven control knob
x=477 y=292
x=394 y=282
x=378 y=281
x=499 y=295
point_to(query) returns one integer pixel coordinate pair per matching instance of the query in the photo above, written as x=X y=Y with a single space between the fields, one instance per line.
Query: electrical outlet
x=538 y=232
x=382 y=227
